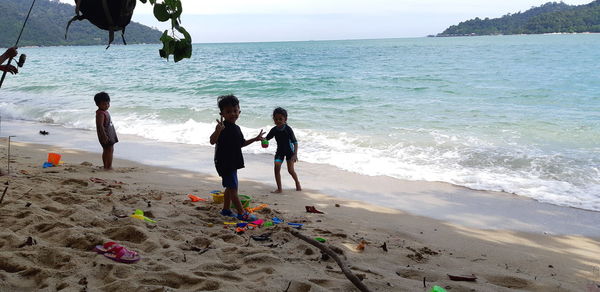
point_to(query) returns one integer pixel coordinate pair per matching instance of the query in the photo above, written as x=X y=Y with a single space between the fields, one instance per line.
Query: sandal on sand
x=107 y=247
x=123 y=255
x=228 y=213
x=246 y=217
x=311 y=209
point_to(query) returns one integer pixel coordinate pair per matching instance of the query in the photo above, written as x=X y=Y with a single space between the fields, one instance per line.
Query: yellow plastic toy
x=139 y=214
x=217 y=197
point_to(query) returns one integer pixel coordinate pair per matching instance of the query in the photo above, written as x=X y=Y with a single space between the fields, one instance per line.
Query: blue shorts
x=230 y=180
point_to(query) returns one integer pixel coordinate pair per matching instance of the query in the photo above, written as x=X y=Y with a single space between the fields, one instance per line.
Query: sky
x=215 y=21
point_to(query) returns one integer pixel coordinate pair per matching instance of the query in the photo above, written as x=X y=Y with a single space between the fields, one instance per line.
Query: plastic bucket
x=245 y=201
x=264 y=143
x=54 y=158
x=217 y=197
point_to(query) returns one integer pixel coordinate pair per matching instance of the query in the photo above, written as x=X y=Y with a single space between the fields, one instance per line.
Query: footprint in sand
x=509 y=282
x=74 y=181
x=295 y=286
x=45 y=227
x=126 y=233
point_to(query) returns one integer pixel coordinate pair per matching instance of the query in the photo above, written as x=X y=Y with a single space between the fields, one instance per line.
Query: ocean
x=518 y=114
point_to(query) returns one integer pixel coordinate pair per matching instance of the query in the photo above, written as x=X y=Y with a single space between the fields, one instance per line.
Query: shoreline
x=66 y=214
x=438 y=200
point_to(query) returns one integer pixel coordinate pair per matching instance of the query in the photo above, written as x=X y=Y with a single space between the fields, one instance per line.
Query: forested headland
x=552 y=17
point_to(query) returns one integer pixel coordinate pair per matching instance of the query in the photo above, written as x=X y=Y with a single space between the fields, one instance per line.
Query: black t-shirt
x=284 y=137
x=228 y=151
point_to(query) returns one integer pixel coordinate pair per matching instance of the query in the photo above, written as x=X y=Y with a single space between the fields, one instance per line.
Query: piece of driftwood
x=469 y=278
x=355 y=280
x=25 y=194
x=3 y=193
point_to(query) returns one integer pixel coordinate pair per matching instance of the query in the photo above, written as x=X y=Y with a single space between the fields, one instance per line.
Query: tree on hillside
x=547 y=18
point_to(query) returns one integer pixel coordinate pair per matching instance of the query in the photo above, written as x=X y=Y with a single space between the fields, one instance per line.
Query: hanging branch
x=178 y=46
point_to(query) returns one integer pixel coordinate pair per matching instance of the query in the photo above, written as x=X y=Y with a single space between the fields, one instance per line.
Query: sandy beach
x=52 y=218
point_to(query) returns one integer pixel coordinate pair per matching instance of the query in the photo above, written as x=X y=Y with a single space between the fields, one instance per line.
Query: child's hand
x=9 y=68
x=10 y=52
x=259 y=136
x=294 y=158
x=220 y=126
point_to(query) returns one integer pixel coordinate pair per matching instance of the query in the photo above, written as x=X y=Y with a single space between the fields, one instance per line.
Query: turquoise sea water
x=519 y=114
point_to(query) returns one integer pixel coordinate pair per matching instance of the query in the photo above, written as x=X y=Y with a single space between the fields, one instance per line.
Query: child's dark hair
x=101 y=97
x=227 y=100
x=280 y=111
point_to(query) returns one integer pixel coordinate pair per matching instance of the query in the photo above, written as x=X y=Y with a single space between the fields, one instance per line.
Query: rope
x=18 y=39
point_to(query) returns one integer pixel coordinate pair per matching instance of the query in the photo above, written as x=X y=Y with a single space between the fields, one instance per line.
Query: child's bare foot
x=277 y=191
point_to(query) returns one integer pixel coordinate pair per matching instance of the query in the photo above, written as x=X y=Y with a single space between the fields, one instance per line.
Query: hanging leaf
x=179 y=47
x=161 y=13
x=183 y=49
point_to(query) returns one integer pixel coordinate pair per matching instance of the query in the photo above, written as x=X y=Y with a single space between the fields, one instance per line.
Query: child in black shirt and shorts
x=229 y=141
x=287 y=147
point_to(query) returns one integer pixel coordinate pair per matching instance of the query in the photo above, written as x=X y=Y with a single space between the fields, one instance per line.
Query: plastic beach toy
x=320 y=239
x=217 y=197
x=264 y=143
x=258 y=222
x=54 y=158
x=261 y=206
x=437 y=288
x=277 y=220
x=296 y=225
x=139 y=214
x=245 y=200
x=195 y=198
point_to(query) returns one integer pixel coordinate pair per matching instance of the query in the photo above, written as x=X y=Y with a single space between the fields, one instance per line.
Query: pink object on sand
x=123 y=255
x=258 y=222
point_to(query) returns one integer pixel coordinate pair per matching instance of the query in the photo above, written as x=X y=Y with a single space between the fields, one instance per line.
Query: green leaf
x=178 y=9
x=186 y=35
x=183 y=49
x=165 y=37
x=161 y=13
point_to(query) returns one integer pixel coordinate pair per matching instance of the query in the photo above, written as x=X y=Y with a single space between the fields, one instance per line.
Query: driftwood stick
x=25 y=194
x=3 y=193
x=355 y=280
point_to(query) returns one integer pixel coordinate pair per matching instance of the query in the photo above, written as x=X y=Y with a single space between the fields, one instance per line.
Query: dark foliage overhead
x=46 y=26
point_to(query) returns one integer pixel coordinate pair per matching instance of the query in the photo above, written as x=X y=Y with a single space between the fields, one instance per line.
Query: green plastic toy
x=139 y=214
x=437 y=288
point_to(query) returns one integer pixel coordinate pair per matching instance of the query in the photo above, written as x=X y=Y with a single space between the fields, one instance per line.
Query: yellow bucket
x=217 y=197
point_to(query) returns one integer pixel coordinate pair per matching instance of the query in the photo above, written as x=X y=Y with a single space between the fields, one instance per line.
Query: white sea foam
x=464 y=161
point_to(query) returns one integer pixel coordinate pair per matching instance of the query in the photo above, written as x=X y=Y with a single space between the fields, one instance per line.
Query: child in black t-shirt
x=228 y=154
x=287 y=147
